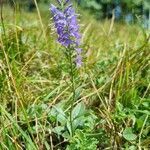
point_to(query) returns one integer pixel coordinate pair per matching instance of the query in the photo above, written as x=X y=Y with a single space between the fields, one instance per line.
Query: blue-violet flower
x=65 y=21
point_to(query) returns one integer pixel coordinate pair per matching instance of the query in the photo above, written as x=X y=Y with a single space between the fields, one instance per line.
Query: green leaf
x=69 y=127
x=61 y=117
x=78 y=110
x=58 y=130
x=132 y=147
x=129 y=135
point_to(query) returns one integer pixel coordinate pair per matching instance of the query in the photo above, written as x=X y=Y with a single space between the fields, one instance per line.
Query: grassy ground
x=112 y=105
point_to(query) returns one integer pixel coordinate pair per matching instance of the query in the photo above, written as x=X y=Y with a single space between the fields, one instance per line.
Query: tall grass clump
x=50 y=99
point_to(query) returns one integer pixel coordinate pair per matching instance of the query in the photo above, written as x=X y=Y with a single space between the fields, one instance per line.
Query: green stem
x=71 y=73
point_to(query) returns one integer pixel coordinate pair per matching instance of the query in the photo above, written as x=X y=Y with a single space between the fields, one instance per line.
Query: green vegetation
x=112 y=107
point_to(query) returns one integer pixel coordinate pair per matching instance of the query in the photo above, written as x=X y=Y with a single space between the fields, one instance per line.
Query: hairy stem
x=72 y=80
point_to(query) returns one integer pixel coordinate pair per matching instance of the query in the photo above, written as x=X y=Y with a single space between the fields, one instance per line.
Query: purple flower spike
x=53 y=9
x=67 y=28
x=78 y=57
x=78 y=50
x=78 y=61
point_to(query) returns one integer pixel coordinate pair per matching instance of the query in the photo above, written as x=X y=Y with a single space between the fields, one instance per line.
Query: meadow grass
x=112 y=104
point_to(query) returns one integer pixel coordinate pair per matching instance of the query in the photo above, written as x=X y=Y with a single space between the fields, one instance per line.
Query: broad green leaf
x=129 y=135
x=78 y=110
x=58 y=130
x=61 y=117
x=132 y=147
